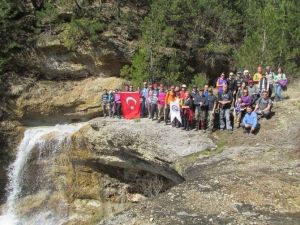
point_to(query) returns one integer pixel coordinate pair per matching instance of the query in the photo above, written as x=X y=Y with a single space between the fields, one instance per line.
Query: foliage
x=80 y=29
x=200 y=80
x=181 y=38
x=272 y=35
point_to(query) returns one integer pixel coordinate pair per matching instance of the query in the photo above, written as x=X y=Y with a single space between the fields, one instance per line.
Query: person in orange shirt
x=170 y=97
x=258 y=75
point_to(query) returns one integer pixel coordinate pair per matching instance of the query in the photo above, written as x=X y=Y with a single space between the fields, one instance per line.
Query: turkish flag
x=131 y=104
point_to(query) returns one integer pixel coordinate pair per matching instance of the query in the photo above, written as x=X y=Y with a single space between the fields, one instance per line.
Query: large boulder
x=64 y=101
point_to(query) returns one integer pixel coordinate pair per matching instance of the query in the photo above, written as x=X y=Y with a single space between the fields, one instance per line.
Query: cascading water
x=41 y=141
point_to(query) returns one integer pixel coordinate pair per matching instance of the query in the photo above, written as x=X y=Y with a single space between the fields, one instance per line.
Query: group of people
x=243 y=97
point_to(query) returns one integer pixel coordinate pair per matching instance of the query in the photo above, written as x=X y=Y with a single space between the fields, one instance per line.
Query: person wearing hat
x=211 y=109
x=246 y=76
x=194 y=91
x=182 y=92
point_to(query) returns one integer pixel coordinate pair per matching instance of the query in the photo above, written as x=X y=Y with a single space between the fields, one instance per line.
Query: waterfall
x=39 y=139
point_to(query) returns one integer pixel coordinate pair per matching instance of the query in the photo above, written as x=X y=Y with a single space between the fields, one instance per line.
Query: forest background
x=187 y=41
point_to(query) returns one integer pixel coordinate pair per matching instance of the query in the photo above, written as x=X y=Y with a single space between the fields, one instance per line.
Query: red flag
x=131 y=104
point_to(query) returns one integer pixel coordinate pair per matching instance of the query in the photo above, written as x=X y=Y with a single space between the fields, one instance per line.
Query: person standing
x=225 y=100
x=144 y=96
x=118 y=103
x=270 y=76
x=232 y=86
x=111 y=103
x=105 y=102
x=170 y=97
x=154 y=101
x=205 y=92
x=211 y=109
x=280 y=81
x=246 y=77
x=263 y=84
x=258 y=75
x=200 y=103
x=187 y=113
x=161 y=103
x=220 y=83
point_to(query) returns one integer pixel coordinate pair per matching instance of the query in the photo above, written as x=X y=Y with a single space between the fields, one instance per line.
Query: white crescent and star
x=128 y=99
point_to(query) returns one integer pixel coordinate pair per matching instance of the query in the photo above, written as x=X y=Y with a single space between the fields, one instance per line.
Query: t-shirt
x=105 y=98
x=161 y=97
x=225 y=97
x=263 y=103
x=211 y=99
x=220 y=83
x=154 y=97
x=257 y=77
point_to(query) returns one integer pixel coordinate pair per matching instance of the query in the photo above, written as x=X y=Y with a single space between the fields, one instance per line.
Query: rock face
x=65 y=101
x=247 y=179
x=103 y=168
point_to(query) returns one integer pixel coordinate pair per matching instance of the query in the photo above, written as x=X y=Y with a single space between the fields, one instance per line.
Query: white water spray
x=33 y=138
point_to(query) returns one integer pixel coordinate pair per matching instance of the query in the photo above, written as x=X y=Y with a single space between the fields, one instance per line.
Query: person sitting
x=253 y=91
x=264 y=105
x=246 y=99
x=250 y=123
x=237 y=112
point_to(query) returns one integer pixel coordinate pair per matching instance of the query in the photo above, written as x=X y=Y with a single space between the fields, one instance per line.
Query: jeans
x=143 y=111
x=225 y=114
x=277 y=89
x=118 y=109
x=153 y=110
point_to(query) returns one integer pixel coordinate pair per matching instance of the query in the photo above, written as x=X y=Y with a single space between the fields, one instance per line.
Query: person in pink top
x=161 y=103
